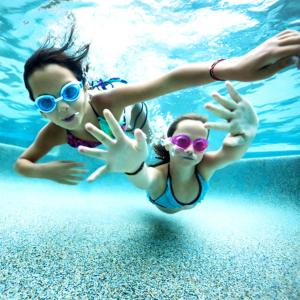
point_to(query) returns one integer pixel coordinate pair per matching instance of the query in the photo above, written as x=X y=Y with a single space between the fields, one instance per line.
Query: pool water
x=161 y=35
x=106 y=240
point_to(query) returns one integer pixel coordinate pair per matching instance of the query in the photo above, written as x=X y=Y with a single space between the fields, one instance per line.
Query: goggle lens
x=200 y=144
x=69 y=92
x=183 y=141
x=45 y=103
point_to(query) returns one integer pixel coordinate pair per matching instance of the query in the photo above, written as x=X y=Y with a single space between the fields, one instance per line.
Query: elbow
x=17 y=167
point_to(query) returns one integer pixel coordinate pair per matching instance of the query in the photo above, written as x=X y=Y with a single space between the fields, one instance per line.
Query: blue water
x=106 y=240
x=138 y=40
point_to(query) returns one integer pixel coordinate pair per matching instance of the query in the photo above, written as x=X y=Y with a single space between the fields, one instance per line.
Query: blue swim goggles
x=69 y=93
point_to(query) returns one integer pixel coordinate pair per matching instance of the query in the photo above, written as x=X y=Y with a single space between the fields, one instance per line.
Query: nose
x=189 y=149
x=62 y=106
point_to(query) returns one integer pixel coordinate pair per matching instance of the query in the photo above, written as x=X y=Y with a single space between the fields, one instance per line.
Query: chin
x=186 y=161
x=73 y=125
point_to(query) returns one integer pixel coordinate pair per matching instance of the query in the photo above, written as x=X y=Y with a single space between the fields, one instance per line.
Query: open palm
x=123 y=154
x=241 y=118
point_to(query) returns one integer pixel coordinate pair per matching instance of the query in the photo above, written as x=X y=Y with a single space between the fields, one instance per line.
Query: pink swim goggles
x=183 y=141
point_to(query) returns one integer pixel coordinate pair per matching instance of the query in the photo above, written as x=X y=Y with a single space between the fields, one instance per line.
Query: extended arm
x=123 y=154
x=66 y=172
x=262 y=62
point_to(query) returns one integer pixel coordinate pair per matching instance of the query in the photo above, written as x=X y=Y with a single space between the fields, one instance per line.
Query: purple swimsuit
x=75 y=142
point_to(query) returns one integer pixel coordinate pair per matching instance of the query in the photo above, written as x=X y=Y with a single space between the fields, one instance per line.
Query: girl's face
x=48 y=81
x=193 y=129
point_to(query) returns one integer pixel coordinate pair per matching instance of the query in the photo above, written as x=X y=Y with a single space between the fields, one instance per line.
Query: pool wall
x=270 y=179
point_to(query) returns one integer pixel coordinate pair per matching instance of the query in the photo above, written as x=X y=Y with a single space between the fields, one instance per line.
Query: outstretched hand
x=123 y=154
x=63 y=171
x=275 y=54
x=240 y=115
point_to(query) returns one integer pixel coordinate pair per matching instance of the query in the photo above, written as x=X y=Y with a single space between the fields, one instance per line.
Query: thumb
x=140 y=139
x=296 y=61
x=98 y=173
x=279 y=65
x=234 y=141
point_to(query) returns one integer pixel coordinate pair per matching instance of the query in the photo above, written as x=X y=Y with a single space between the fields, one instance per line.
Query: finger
x=231 y=105
x=233 y=141
x=67 y=182
x=217 y=126
x=100 y=135
x=286 y=32
x=233 y=93
x=296 y=60
x=286 y=51
x=291 y=40
x=219 y=111
x=93 y=152
x=98 y=173
x=287 y=36
x=79 y=171
x=70 y=163
x=74 y=178
x=141 y=140
x=113 y=124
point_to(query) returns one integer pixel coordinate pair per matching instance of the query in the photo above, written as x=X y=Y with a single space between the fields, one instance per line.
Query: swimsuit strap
x=94 y=110
x=74 y=141
x=172 y=191
x=103 y=123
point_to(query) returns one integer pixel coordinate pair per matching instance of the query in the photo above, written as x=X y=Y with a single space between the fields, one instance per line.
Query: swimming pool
x=95 y=241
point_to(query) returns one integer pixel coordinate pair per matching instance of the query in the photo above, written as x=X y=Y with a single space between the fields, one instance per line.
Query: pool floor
x=68 y=243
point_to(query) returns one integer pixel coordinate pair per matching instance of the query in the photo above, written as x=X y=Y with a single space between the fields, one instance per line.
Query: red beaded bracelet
x=211 y=70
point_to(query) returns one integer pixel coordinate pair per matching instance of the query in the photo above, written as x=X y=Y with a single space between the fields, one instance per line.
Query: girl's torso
x=60 y=135
x=89 y=141
x=171 y=196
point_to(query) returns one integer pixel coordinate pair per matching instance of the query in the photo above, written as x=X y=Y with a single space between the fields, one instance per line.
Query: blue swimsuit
x=168 y=200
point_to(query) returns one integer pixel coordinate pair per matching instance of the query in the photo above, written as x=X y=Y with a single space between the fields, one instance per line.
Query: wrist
x=137 y=170
x=224 y=69
x=38 y=171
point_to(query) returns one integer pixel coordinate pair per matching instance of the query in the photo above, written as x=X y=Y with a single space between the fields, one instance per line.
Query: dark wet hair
x=48 y=54
x=162 y=153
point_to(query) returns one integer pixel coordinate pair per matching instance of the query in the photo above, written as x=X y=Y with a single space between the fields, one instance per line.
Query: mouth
x=187 y=157
x=70 y=118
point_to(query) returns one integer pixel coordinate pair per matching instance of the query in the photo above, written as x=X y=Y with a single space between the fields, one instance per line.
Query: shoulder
x=159 y=176
x=52 y=135
x=207 y=167
x=49 y=136
x=160 y=168
x=105 y=100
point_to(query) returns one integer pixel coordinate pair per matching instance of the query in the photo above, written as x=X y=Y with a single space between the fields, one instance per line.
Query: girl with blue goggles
x=69 y=93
